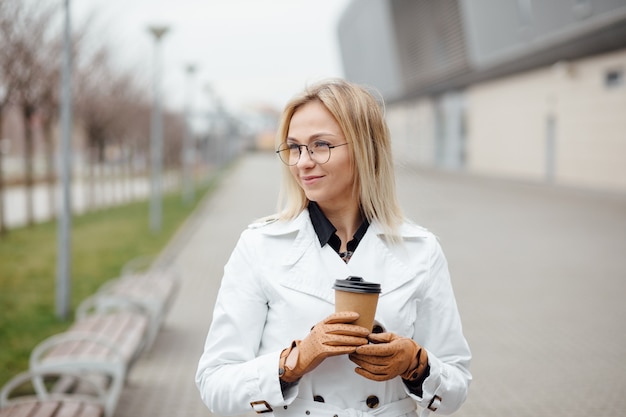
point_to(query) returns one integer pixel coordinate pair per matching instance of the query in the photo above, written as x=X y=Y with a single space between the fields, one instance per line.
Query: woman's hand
x=388 y=356
x=331 y=337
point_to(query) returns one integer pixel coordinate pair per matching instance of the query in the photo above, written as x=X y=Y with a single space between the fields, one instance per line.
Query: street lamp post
x=64 y=224
x=188 y=143
x=156 y=135
x=213 y=144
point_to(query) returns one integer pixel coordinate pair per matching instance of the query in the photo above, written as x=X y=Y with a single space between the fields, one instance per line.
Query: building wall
x=429 y=131
x=511 y=120
x=564 y=124
x=591 y=123
x=505 y=123
x=523 y=89
x=412 y=128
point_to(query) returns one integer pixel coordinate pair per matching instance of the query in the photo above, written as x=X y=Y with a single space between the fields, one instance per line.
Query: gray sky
x=249 y=51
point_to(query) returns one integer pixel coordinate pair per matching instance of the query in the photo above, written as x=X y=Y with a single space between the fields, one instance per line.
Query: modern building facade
x=523 y=89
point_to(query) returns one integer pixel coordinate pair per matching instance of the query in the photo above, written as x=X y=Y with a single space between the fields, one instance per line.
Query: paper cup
x=356 y=294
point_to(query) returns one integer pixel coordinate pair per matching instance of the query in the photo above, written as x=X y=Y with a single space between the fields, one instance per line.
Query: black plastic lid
x=358 y=285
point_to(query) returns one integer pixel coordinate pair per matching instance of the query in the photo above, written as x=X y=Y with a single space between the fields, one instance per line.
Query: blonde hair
x=362 y=122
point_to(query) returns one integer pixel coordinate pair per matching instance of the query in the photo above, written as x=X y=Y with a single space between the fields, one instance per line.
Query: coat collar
x=406 y=231
x=276 y=227
x=376 y=249
x=301 y=227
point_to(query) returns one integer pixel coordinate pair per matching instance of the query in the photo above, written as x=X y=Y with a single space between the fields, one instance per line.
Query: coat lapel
x=377 y=259
x=312 y=269
x=305 y=264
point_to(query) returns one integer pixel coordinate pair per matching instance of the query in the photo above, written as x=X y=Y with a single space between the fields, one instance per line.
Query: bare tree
x=95 y=115
x=111 y=105
x=5 y=94
x=6 y=89
x=173 y=142
x=49 y=104
x=48 y=113
x=137 y=138
x=33 y=74
x=130 y=100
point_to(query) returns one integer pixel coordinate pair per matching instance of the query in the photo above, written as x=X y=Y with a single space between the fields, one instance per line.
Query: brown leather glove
x=331 y=337
x=388 y=356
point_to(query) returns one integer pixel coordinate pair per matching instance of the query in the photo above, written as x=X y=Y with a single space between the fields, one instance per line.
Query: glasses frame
x=311 y=153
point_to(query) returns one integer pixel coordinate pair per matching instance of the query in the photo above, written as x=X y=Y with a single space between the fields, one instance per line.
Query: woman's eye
x=292 y=146
x=321 y=145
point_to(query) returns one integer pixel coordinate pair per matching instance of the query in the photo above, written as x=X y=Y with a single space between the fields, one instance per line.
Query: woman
x=275 y=343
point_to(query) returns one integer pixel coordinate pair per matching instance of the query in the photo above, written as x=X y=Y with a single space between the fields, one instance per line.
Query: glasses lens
x=320 y=152
x=288 y=154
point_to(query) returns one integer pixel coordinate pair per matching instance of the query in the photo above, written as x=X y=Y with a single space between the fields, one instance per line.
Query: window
x=613 y=78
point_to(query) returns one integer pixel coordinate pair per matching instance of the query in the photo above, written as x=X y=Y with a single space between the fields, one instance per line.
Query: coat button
x=372 y=401
x=318 y=398
x=378 y=328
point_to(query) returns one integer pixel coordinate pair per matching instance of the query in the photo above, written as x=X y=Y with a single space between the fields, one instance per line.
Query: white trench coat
x=278 y=283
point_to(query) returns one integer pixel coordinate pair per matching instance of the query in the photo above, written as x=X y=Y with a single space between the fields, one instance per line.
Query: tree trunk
x=131 y=172
x=3 y=227
x=126 y=172
x=101 y=175
x=29 y=151
x=123 y=173
x=50 y=168
x=90 y=187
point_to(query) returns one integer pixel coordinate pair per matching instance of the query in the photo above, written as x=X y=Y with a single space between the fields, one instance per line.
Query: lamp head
x=158 y=31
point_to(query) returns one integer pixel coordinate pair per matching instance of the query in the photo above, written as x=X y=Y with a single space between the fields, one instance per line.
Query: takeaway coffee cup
x=356 y=294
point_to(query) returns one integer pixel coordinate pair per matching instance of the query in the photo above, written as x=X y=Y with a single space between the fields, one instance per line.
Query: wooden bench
x=105 y=329
x=154 y=290
x=106 y=339
x=19 y=398
x=111 y=330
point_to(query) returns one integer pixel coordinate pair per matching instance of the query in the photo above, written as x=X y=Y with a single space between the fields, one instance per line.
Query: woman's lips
x=311 y=179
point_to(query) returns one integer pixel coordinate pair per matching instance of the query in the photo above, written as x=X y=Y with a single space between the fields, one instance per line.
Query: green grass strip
x=102 y=242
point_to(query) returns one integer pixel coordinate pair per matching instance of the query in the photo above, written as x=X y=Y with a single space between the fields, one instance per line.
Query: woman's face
x=329 y=184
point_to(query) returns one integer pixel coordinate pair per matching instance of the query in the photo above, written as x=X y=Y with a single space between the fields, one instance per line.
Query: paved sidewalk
x=539 y=274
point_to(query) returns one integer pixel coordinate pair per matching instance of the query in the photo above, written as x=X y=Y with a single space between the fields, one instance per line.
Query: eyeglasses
x=319 y=152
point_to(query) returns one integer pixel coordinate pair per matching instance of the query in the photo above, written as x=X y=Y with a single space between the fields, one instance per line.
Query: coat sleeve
x=438 y=329
x=230 y=373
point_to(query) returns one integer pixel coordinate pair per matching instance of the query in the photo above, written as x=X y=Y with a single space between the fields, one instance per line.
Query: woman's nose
x=305 y=158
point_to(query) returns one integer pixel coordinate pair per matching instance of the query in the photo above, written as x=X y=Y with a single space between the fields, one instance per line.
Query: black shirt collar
x=326 y=232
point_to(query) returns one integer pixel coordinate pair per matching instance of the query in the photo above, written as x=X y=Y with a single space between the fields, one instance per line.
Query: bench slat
x=53 y=408
x=91 y=410
x=70 y=409
x=125 y=331
x=46 y=409
x=18 y=410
